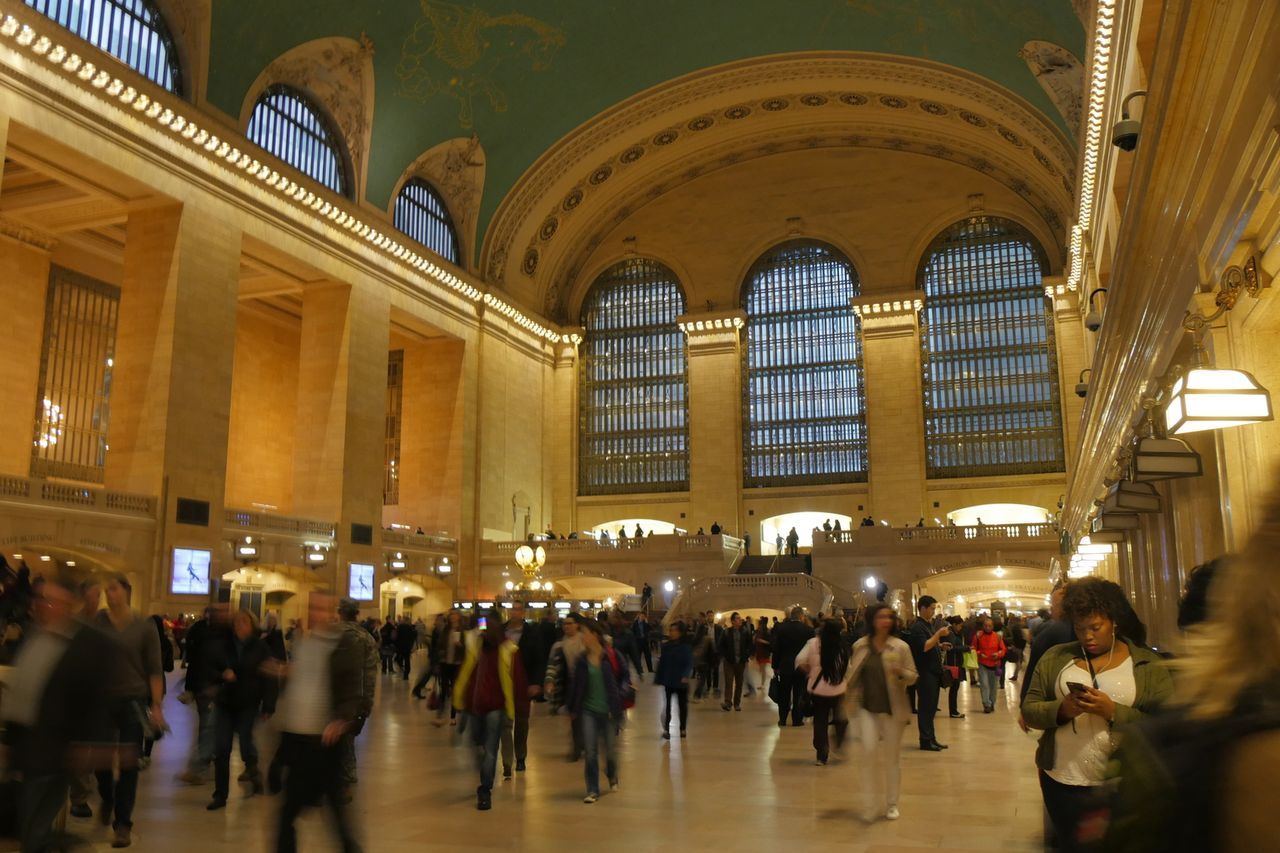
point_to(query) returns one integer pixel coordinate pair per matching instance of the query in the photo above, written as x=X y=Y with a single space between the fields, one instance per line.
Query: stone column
x=715 y=420
x=431 y=437
x=24 y=285
x=562 y=434
x=895 y=425
x=342 y=397
x=171 y=394
x=1069 y=341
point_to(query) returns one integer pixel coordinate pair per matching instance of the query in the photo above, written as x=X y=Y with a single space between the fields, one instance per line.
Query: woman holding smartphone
x=1081 y=693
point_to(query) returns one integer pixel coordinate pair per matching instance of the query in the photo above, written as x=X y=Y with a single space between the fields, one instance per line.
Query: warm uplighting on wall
x=165 y=112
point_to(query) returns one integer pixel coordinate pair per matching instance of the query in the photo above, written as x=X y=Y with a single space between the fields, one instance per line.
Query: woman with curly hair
x=1081 y=694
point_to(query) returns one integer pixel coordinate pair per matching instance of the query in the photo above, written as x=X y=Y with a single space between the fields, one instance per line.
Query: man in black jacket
x=406 y=637
x=56 y=707
x=788 y=639
x=924 y=640
x=528 y=639
x=201 y=685
x=735 y=651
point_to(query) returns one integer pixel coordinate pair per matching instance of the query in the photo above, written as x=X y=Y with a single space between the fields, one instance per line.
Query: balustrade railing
x=968 y=533
x=420 y=540
x=75 y=496
x=248 y=520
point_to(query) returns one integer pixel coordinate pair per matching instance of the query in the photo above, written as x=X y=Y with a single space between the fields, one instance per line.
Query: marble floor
x=737 y=781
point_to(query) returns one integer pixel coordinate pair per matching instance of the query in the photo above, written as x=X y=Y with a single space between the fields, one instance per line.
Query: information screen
x=190 y=571
x=360 y=587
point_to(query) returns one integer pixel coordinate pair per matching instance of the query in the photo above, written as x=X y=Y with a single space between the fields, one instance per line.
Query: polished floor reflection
x=738 y=780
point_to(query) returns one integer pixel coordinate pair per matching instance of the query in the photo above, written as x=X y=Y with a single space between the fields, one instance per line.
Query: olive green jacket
x=1151 y=679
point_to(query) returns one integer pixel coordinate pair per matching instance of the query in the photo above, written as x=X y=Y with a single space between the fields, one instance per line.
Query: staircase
x=779 y=564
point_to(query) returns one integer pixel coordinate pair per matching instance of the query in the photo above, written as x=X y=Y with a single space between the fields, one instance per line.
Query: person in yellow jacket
x=490 y=684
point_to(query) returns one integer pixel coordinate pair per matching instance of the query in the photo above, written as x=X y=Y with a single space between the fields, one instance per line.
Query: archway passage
x=805 y=523
x=972 y=589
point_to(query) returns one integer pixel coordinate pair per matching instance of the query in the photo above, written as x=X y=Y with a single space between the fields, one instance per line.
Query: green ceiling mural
x=522 y=73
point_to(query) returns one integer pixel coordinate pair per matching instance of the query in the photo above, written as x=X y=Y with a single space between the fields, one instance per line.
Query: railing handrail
x=255 y=520
x=407 y=538
x=1032 y=530
x=77 y=496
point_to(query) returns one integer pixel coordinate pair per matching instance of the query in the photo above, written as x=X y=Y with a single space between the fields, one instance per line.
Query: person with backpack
x=599 y=691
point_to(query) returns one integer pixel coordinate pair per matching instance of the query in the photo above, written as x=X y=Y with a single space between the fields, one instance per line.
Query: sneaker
x=819 y=763
x=869 y=816
x=590 y=798
x=81 y=810
x=121 y=837
x=613 y=785
x=957 y=716
x=892 y=813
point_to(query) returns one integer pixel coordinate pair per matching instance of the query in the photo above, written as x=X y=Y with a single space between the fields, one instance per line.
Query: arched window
x=990 y=375
x=132 y=31
x=286 y=123
x=634 y=391
x=803 y=402
x=420 y=213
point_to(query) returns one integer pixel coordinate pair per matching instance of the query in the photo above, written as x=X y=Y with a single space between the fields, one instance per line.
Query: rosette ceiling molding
x=596 y=177
x=528 y=76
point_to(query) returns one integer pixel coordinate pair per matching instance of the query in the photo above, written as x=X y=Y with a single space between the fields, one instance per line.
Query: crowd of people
x=1132 y=746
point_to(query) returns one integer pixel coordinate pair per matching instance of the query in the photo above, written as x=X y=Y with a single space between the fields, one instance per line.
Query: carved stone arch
x=575 y=299
x=839 y=242
x=455 y=168
x=562 y=209
x=1061 y=74
x=930 y=231
x=337 y=74
x=188 y=24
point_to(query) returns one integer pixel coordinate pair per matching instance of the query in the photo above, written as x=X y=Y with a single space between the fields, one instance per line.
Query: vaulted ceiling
x=524 y=75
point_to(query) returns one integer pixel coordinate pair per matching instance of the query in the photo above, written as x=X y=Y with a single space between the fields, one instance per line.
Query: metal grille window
x=391 y=455
x=76 y=361
x=803 y=401
x=286 y=123
x=634 y=387
x=132 y=31
x=420 y=213
x=990 y=378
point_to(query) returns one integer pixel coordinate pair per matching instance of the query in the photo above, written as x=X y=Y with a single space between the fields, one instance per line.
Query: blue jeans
x=486 y=730
x=988 y=677
x=203 y=752
x=594 y=727
x=237 y=723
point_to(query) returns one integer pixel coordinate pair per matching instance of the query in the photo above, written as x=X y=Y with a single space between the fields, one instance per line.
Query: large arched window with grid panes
x=804 y=412
x=991 y=401
x=132 y=31
x=634 y=388
x=421 y=213
x=289 y=125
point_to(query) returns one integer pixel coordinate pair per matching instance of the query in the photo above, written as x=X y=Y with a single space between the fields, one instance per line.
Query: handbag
x=954 y=671
x=775 y=689
x=971 y=659
x=947 y=679
x=433 y=698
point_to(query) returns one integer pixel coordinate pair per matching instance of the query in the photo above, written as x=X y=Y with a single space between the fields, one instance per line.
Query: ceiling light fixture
x=1103 y=24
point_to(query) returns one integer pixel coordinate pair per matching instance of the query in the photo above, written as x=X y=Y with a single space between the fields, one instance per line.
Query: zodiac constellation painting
x=458 y=51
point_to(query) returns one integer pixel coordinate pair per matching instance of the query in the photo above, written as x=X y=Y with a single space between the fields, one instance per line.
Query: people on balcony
x=793 y=543
x=715 y=528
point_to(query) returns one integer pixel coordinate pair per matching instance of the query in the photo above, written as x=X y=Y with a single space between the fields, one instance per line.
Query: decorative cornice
x=709 y=101
x=27 y=234
x=711 y=323
x=887 y=305
x=163 y=120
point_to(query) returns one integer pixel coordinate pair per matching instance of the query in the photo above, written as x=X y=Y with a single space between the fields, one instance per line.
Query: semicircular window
x=289 y=125
x=804 y=410
x=421 y=213
x=634 y=385
x=991 y=403
x=132 y=31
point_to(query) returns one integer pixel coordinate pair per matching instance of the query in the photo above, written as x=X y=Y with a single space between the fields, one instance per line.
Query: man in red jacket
x=989 y=647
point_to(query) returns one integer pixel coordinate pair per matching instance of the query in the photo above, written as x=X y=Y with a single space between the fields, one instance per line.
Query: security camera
x=1082 y=389
x=1125 y=134
x=1093 y=322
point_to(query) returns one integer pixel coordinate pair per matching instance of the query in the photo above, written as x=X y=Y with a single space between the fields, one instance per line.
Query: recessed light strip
x=114 y=90
x=1102 y=33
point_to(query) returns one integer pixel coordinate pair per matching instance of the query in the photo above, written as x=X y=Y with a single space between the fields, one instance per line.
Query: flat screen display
x=360 y=587
x=190 y=571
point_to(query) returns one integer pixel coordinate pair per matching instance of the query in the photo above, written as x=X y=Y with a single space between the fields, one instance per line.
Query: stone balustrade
x=266 y=522
x=48 y=493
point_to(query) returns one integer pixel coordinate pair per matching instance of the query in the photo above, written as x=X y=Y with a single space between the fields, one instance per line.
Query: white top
x=1081 y=751
x=810 y=660
x=307 y=700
